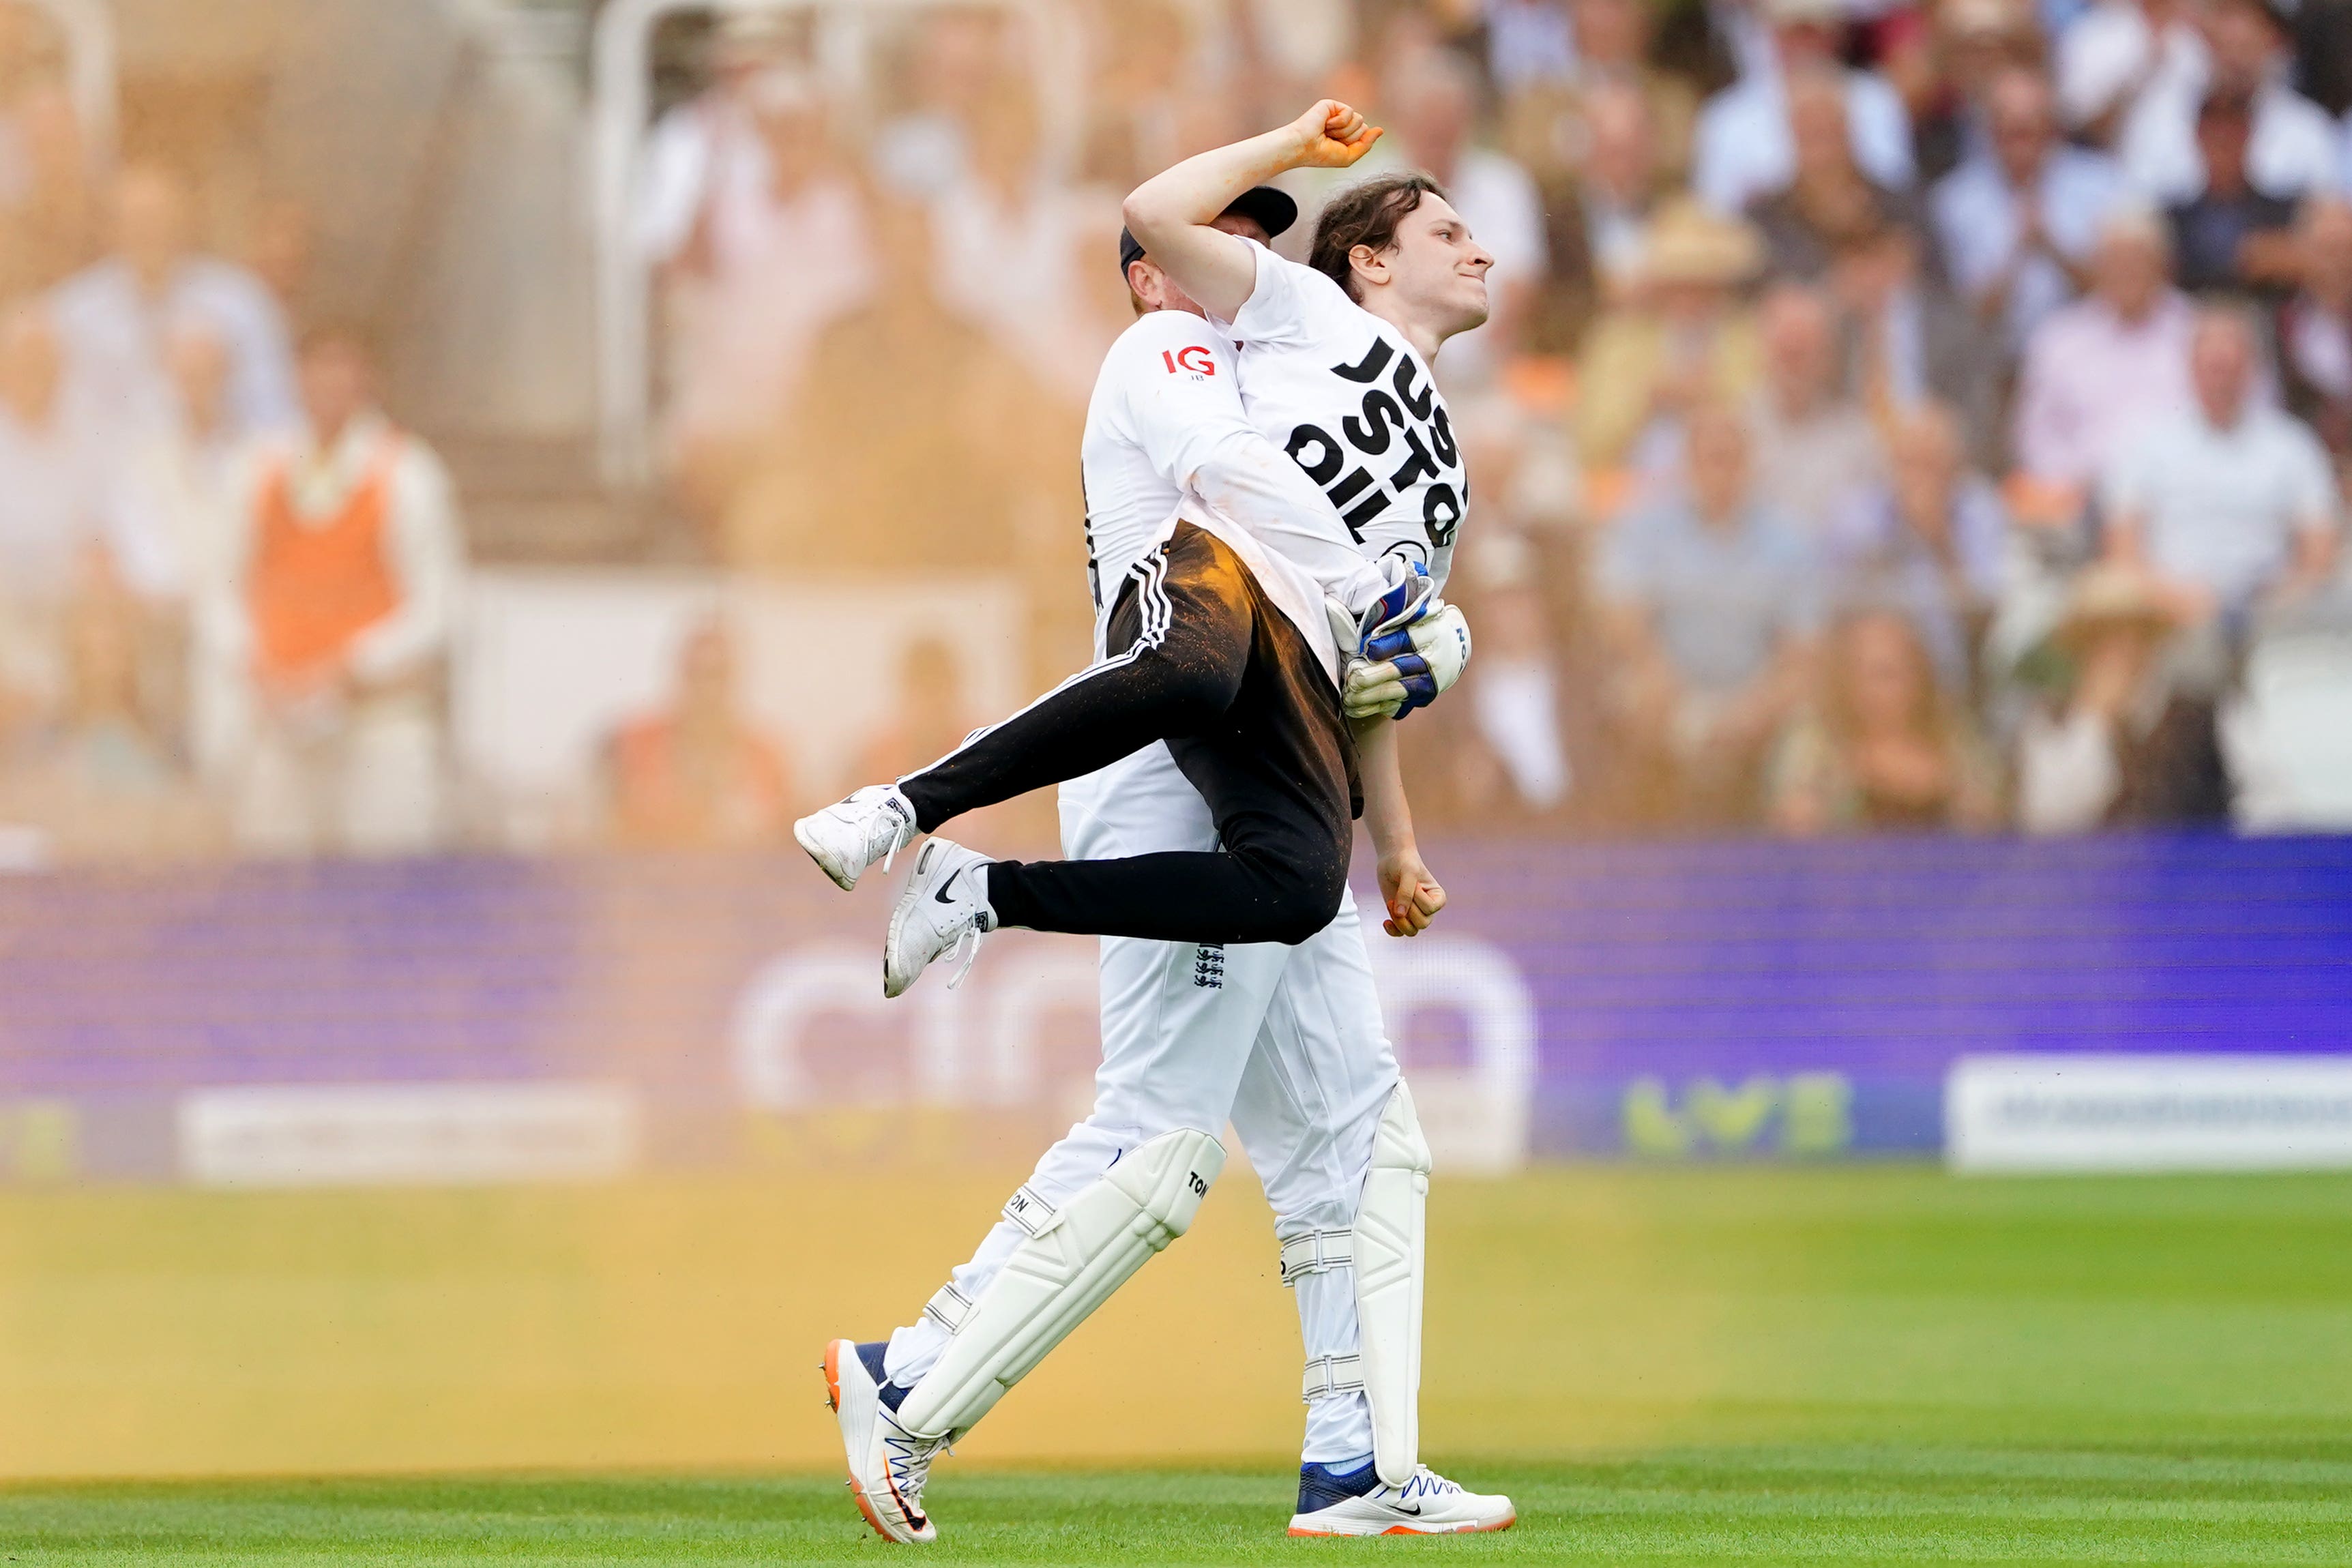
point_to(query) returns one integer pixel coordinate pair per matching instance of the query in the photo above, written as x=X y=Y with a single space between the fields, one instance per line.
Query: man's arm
x=1413 y=896
x=1170 y=214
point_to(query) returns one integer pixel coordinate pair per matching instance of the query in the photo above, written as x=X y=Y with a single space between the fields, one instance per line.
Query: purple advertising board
x=1686 y=1000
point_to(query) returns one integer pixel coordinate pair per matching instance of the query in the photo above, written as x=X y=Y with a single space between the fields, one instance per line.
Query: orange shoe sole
x=1407 y=1529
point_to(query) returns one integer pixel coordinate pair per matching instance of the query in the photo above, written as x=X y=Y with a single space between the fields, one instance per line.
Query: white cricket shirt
x=1166 y=421
x=1355 y=406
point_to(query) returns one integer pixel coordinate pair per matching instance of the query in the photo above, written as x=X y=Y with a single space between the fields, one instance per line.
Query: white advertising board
x=370 y=1134
x=2119 y=1113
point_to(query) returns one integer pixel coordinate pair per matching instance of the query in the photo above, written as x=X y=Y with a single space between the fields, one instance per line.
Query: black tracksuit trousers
x=1198 y=656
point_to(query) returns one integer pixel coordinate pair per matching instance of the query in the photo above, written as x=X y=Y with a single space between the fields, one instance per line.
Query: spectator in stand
x=772 y=248
x=1547 y=93
x=925 y=149
x=693 y=150
x=1431 y=99
x=2115 y=744
x=1514 y=761
x=1814 y=446
x=1882 y=746
x=2102 y=369
x=2291 y=145
x=1908 y=339
x=2118 y=52
x=2230 y=236
x=113 y=317
x=51 y=469
x=1744 y=147
x=1930 y=542
x=2018 y=222
x=697 y=775
x=170 y=515
x=337 y=594
x=1684 y=339
x=1600 y=221
x=1942 y=62
x=2229 y=505
x=103 y=779
x=1712 y=599
x=45 y=219
x=1830 y=200
x=2314 y=328
x=1006 y=250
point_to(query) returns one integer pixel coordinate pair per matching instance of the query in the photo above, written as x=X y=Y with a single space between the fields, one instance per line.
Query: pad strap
x=1330 y=1375
x=1317 y=1252
x=1028 y=1209
x=949 y=1308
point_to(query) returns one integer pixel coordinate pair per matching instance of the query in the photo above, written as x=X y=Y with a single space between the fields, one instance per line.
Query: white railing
x=619 y=100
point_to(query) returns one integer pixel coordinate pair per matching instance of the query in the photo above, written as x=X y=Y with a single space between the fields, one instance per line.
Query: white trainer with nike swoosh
x=887 y=1464
x=1358 y=1502
x=874 y=824
x=944 y=905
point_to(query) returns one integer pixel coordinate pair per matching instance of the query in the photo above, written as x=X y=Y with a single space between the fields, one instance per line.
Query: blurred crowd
x=1896 y=414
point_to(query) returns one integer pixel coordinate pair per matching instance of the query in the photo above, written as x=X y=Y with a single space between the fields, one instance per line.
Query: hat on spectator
x=1691 y=242
x=1269 y=208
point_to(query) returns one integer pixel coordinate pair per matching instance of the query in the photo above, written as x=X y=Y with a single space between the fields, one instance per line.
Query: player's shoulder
x=1165 y=343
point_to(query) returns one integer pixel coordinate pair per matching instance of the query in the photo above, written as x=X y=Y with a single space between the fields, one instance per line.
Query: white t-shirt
x=1165 y=422
x=2222 y=507
x=1356 y=409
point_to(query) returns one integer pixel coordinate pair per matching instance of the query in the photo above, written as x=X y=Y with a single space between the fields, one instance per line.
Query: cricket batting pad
x=1072 y=1259
x=1387 y=1244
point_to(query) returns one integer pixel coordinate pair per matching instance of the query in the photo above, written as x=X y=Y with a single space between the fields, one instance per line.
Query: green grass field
x=1852 y=1366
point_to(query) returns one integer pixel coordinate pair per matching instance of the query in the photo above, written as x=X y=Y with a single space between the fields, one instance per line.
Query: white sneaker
x=873 y=824
x=887 y=1464
x=944 y=902
x=1427 y=1504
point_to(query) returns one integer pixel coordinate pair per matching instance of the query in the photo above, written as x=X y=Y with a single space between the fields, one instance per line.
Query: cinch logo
x=1183 y=359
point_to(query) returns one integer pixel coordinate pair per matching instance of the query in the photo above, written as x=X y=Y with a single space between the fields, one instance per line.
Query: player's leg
x=1176 y=645
x=1177 y=1024
x=1331 y=1130
x=1277 y=771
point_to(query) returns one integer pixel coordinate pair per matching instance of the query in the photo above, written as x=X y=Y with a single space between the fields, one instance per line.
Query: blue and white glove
x=1410 y=646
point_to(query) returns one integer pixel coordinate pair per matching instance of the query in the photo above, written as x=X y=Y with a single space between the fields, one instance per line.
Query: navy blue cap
x=1270 y=209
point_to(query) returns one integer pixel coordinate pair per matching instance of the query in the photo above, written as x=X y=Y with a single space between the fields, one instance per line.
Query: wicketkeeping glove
x=1411 y=645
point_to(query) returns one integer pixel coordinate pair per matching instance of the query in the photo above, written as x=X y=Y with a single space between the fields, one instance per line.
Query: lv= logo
x=1803 y=1114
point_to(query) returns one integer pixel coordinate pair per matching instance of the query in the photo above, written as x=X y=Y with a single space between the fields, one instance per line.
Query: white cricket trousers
x=1284 y=1042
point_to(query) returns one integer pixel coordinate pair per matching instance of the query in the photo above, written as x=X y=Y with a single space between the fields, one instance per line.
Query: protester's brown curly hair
x=1367 y=214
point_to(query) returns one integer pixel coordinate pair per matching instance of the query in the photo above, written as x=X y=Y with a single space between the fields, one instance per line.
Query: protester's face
x=2130 y=271
x=1718 y=464
x=2221 y=367
x=1438 y=271
x=1882 y=672
x=2022 y=126
x=336 y=385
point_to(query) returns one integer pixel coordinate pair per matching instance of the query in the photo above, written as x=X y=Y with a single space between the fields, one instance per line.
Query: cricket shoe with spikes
x=874 y=824
x=943 y=907
x=887 y=1464
x=1358 y=1502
